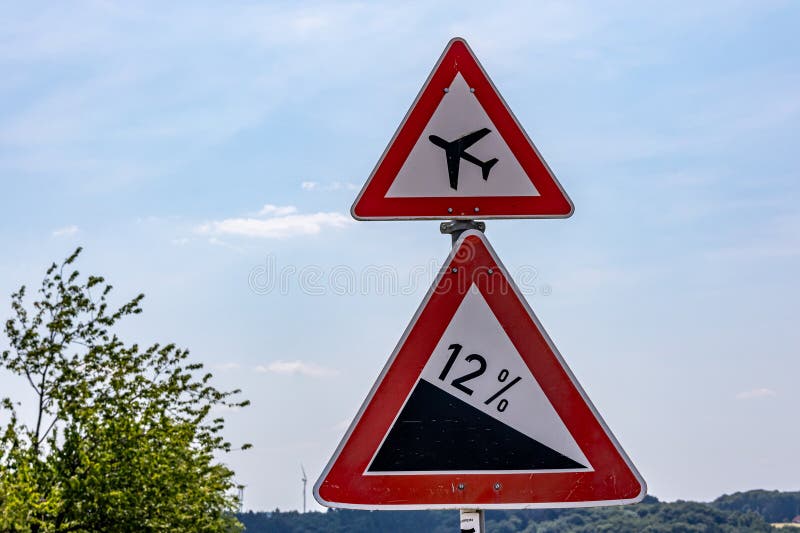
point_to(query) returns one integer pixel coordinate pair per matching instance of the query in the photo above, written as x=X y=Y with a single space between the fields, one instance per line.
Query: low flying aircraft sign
x=477 y=409
x=460 y=154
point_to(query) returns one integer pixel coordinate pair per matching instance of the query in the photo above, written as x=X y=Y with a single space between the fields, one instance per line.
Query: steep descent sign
x=460 y=154
x=476 y=409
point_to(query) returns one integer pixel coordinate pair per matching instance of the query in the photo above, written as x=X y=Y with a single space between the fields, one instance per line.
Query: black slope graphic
x=438 y=432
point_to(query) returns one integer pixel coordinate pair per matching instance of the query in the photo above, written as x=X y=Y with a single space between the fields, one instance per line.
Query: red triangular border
x=613 y=480
x=372 y=203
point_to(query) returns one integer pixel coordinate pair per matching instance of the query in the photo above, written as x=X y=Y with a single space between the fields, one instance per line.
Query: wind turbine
x=241 y=497
x=304 y=479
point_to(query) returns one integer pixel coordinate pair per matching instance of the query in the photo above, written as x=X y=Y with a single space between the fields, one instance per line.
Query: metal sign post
x=472 y=521
x=455 y=228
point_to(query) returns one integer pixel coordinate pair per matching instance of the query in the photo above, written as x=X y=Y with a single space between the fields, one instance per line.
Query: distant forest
x=740 y=512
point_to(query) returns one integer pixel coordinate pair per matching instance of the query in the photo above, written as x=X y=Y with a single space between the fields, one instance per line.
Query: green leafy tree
x=650 y=516
x=123 y=438
x=773 y=505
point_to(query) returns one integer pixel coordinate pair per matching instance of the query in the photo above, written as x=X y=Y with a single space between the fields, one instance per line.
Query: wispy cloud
x=278 y=222
x=761 y=392
x=332 y=186
x=222 y=244
x=296 y=368
x=59 y=129
x=66 y=231
x=277 y=210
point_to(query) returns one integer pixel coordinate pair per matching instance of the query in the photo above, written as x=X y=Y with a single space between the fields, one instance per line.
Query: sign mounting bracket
x=455 y=228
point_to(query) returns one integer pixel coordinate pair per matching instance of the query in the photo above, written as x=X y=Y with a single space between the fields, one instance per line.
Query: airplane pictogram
x=455 y=151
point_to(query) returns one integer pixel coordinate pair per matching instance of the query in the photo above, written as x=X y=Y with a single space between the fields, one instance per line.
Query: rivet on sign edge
x=491 y=271
x=472 y=89
x=449 y=209
x=477 y=209
x=454 y=270
x=447 y=89
x=498 y=486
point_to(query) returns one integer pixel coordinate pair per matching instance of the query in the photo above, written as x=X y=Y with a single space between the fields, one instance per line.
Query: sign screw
x=454 y=270
x=460 y=486
x=491 y=271
x=449 y=209
x=472 y=89
x=477 y=209
x=498 y=486
x=447 y=89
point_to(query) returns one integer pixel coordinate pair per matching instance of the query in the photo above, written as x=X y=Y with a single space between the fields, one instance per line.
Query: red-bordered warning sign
x=476 y=409
x=460 y=154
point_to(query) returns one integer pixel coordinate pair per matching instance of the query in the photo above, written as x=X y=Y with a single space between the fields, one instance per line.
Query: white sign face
x=476 y=391
x=484 y=164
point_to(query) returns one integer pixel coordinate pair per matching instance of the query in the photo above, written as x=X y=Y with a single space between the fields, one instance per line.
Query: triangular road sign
x=460 y=154
x=476 y=409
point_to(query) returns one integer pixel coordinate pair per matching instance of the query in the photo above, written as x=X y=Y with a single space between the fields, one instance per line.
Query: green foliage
x=123 y=438
x=346 y=521
x=677 y=517
x=773 y=505
x=649 y=516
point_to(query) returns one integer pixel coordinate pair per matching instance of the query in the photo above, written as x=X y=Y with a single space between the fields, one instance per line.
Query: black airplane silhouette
x=454 y=152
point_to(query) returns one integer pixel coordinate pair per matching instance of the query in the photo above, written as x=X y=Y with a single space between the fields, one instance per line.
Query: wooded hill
x=740 y=512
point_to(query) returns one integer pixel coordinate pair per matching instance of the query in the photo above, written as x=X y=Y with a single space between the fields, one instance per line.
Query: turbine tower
x=304 y=479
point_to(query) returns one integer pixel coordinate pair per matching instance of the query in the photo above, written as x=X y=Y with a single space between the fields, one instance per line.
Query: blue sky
x=190 y=146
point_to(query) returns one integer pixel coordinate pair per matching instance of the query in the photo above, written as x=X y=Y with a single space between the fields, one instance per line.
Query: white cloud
x=66 y=231
x=332 y=186
x=346 y=185
x=296 y=367
x=122 y=101
x=756 y=393
x=279 y=227
x=277 y=210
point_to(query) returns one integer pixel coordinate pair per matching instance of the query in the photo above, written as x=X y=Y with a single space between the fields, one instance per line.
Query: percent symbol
x=502 y=377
